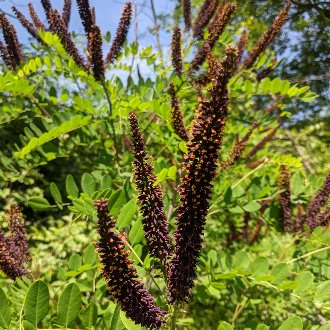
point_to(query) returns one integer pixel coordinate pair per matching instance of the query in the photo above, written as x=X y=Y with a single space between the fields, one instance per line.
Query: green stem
x=174 y=315
x=141 y=262
x=308 y=254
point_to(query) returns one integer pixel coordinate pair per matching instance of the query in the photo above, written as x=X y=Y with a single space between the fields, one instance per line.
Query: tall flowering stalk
x=8 y=262
x=176 y=55
x=18 y=234
x=268 y=37
x=11 y=52
x=14 y=250
x=47 y=6
x=177 y=116
x=62 y=32
x=66 y=12
x=285 y=199
x=120 y=275
x=85 y=15
x=261 y=144
x=30 y=28
x=199 y=168
x=186 y=5
x=241 y=46
x=150 y=197
x=121 y=34
x=35 y=18
x=239 y=147
x=203 y=17
x=95 y=52
x=216 y=28
x=316 y=204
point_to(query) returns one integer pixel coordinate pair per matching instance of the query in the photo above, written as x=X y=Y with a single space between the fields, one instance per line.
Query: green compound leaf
x=36 y=303
x=39 y=203
x=5 y=314
x=70 y=125
x=293 y=323
x=68 y=307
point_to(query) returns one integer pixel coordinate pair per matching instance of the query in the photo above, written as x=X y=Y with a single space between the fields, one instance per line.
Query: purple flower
x=176 y=51
x=177 y=116
x=120 y=274
x=121 y=34
x=285 y=199
x=199 y=169
x=318 y=201
x=268 y=37
x=150 y=197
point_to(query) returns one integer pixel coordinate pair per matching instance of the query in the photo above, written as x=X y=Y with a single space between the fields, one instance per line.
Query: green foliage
x=60 y=153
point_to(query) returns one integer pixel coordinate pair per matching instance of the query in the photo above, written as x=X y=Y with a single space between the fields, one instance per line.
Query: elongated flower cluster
x=268 y=37
x=121 y=34
x=18 y=234
x=30 y=28
x=255 y=232
x=85 y=15
x=176 y=55
x=10 y=50
x=261 y=144
x=62 y=32
x=285 y=199
x=14 y=250
x=199 y=168
x=150 y=197
x=66 y=12
x=47 y=6
x=35 y=18
x=186 y=4
x=216 y=28
x=318 y=201
x=120 y=274
x=95 y=52
x=177 y=116
x=203 y=17
x=239 y=147
x=241 y=46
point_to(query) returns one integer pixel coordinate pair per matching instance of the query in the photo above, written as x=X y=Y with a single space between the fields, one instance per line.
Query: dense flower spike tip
x=150 y=197
x=241 y=45
x=285 y=199
x=5 y=55
x=14 y=54
x=18 y=234
x=66 y=13
x=203 y=18
x=62 y=32
x=176 y=55
x=261 y=144
x=186 y=5
x=35 y=18
x=216 y=28
x=85 y=15
x=8 y=258
x=318 y=201
x=47 y=9
x=239 y=147
x=268 y=37
x=30 y=28
x=120 y=274
x=121 y=34
x=177 y=116
x=95 y=52
x=199 y=169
